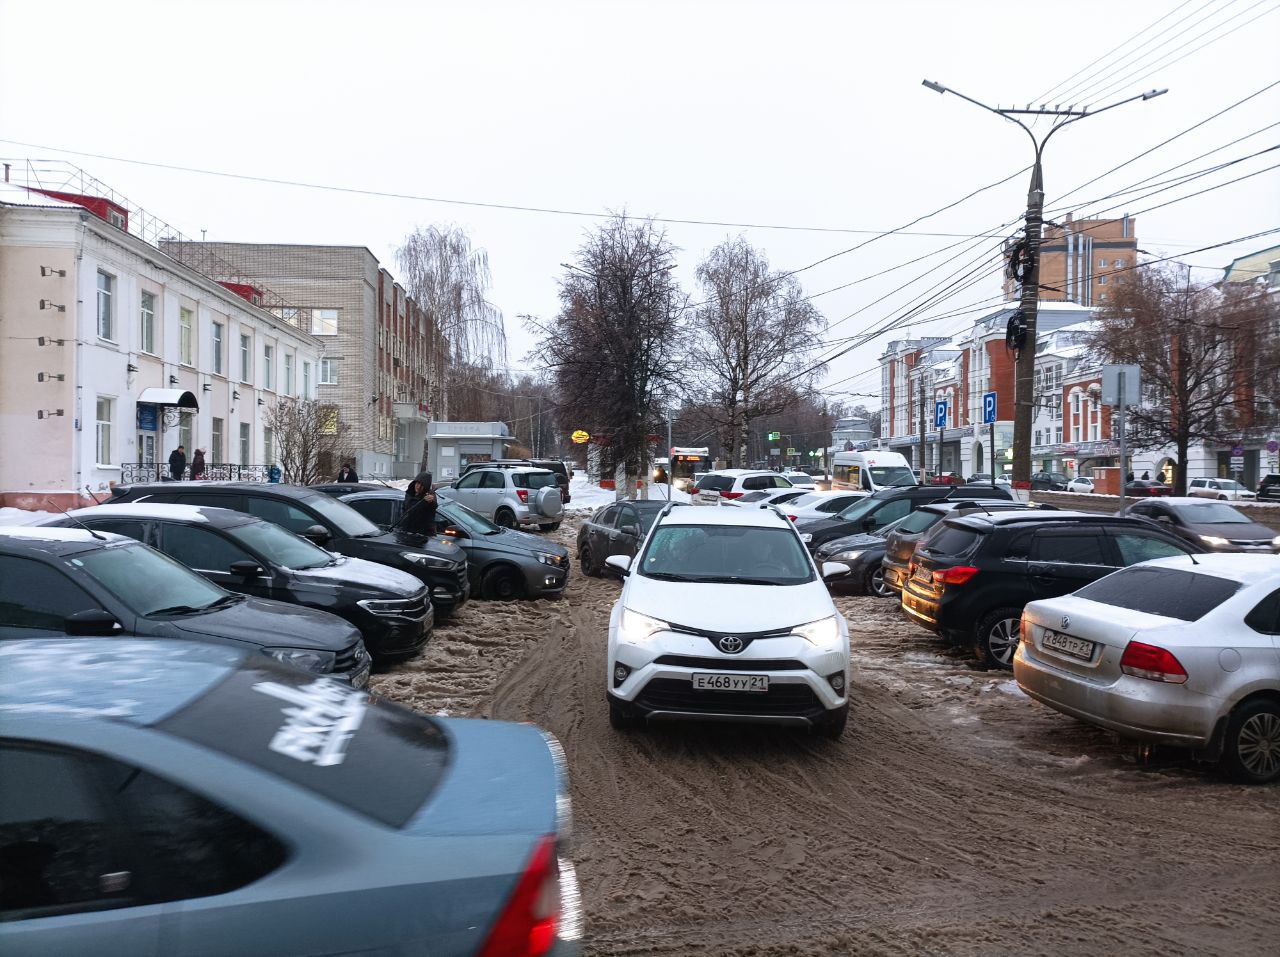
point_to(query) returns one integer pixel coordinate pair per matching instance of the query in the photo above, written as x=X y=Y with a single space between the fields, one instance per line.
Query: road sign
x=775 y=451
x=1120 y=382
x=940 y=414
x=1273 y=446
x=791 y=451
x=988 y=408
x=1237 y=451
x=774 y=436
x=579 y=437
x=1237 y=463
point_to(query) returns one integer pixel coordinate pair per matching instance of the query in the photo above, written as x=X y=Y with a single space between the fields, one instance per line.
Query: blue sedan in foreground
x=181 y=798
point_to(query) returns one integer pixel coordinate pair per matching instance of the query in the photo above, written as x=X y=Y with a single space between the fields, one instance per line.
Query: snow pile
x=587 y=497
x=20 y=516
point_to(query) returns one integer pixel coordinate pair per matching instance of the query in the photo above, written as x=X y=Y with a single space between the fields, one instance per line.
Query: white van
x=870 y=471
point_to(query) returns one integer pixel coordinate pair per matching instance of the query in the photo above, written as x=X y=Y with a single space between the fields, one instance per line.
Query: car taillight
x=524 y=495
x=954 y=576
x=794 y=518
x=731 y=495
x=1155 y=664
x=527 y=925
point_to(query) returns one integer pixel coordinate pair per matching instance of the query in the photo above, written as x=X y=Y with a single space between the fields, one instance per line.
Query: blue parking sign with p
x=988 y=408
x=940 y=415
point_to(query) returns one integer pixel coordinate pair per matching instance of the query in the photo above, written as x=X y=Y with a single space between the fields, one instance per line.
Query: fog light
x=549 y=580
x=620 y=673
x=837 y=681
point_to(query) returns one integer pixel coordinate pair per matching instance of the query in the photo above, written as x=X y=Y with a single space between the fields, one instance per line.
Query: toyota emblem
x=730 y=644
x=1066 y=622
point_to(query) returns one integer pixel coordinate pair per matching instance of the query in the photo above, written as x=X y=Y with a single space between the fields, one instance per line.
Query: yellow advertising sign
x=579 y=437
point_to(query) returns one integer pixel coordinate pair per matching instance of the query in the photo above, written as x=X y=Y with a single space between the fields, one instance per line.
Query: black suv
x=888 y=505
x=247 y=555
x=971 y=579
x=1269 y=487
x=56 y=582
x=330 y=524
x=1049 y=481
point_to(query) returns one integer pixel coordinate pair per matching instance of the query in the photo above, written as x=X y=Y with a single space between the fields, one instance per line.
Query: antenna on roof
x=98 y=535
x=97 y=501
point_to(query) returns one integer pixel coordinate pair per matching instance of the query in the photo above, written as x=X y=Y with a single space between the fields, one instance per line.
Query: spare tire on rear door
x=548 y=502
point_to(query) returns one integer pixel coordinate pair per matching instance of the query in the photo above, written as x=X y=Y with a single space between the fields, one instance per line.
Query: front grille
x=349 y=657
x=732 y=664
x=785 y=700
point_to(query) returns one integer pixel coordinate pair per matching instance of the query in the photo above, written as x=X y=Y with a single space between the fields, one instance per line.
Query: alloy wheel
x=1003 y=639
x=1259 y=744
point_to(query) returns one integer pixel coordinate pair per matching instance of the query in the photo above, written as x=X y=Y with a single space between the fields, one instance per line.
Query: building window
x=186 y=434
x=246 y=447
x=306 y=380
x=1102 y=264
x=186 y=321
x=268 y=446
x=246 y=359
x=268 y=361
x=324 y=322
x=288 y=373
x=215 y=442
x=1119 y=263
x=105 y=410
x=1058 y=435
x=217 y=347
x=1039 y=437
x=106 y=306
x=1102 y=280
x=147 y=329
x=328 y=371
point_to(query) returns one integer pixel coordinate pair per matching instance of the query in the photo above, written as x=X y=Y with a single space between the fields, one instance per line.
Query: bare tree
x=612 y=348
x=753 y=342
x=450 y=280
x=1202 y=352
x=311 y=439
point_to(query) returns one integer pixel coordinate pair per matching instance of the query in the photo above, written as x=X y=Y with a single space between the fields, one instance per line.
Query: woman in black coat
x=419 y=516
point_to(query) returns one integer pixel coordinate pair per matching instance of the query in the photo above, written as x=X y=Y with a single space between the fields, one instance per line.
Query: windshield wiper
x=223 y=601
x=177 y=610
x=735 y=580
x=670 y=577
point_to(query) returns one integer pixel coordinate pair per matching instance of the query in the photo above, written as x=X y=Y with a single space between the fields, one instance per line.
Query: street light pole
x=1024 y=367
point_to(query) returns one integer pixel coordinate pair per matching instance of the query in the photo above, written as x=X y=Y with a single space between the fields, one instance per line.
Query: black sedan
x=247 y=555
x=81 y=582
x=863 y=553
x=504 y=563
x=616 y=529
x=881 y=508
x=1213 y=525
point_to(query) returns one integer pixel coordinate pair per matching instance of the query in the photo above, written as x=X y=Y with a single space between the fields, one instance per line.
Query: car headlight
x=822 y=633
x=1275 y=542
x=548 y=559
x=1214 y=541
x=317 y=662
x=852 y=556
x=638 y=627
x=431 y=561
x=806 y=537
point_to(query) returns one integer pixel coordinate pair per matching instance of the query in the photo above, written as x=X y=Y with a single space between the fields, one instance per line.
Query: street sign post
x=940 y=422
x=989 y=418
x=791 y=451
x=774 y=436
x=1120 y=386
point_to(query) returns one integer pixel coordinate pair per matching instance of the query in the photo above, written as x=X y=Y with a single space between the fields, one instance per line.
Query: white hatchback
x=724 y=617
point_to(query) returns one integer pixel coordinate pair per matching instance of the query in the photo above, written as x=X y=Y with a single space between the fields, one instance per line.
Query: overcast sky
x=792 y=113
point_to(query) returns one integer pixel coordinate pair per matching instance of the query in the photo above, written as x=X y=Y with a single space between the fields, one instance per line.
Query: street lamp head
x=1152 y=94
x=934 y=85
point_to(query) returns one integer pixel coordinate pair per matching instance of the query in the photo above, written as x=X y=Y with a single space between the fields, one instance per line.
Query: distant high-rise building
x=1082 y=260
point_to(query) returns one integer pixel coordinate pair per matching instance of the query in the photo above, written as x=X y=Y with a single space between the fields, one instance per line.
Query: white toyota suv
x=724 y=617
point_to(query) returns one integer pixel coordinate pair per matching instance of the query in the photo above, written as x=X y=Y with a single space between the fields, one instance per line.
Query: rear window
x=952 y=540
x=755 y=496
x=716 y=483
x=533 y=480
x=1170 y=592
x=320 y=735
x=917 y=521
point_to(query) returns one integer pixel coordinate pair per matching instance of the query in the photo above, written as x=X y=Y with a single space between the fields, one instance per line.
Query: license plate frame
x=729 y=681
x=1081 y=649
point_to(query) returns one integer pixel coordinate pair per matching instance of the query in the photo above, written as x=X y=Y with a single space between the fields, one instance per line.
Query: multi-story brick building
x=1080 y=258
x=384 y=356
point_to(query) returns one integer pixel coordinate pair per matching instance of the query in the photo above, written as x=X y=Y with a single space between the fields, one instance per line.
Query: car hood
x=816 y=525
x=852 y=541
x=442 y=547
x=261 y=621
x=1234 y=531
x=524 y=543
x=741 y=608
x=502 y=779
x=363 y=574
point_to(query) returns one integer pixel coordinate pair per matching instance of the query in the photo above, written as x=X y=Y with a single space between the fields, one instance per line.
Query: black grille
x=347 y=658
x=731 y=664
x=673 y=694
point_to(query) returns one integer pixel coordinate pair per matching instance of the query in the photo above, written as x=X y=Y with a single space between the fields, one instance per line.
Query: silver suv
x=511 y=497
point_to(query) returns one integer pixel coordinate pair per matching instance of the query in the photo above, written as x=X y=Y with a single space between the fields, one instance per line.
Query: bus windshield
x=891 y=475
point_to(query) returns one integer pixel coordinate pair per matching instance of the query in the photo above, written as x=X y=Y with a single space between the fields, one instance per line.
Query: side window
x=58 y=854
x=627 y=516
x=1199 y=483
x=1136 y=547
x=200 y=548
x=281 y=513
x=492 y=480
x=779 y=482
x=471 y=480
x=608 y=515
x=1265 y=616
x=1070 y=547
x=119 y=526
x=892 y=512
x=753 y=482
x=196 y=847
x=377 y=510
x=233 y=502
x=38 y=596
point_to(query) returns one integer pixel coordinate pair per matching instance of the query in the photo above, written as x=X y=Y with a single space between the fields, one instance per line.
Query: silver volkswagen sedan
x=1180 y=651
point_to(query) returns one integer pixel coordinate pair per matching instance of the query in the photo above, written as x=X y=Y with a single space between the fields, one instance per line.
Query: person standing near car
x=197 y=465
x=419 y=516
x=348 y=473
x=178 y=463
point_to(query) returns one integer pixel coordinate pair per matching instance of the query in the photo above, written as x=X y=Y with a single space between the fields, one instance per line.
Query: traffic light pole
x=1024 y=368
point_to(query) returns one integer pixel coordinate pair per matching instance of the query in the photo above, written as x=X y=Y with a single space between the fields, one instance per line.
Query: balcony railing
x=159 y=472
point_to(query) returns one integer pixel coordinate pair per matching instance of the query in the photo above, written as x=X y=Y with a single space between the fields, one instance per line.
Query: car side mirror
x=834 y=569
x=317 y=534
x=633 y=530
x=93 y=621
x=246 y=568
x=621 y=562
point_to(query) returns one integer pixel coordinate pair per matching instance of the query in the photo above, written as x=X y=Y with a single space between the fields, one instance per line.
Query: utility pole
x=920 y=387
x=1024 y=368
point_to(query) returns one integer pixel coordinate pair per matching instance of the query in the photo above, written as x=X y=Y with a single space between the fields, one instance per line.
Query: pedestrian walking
x=274 y=475
x=419 y=516
x=178 y=463
x=1146 y=476
x=348 y=473
x=197 y=465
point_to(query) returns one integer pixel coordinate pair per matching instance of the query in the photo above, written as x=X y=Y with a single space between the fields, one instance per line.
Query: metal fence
x=137 y=472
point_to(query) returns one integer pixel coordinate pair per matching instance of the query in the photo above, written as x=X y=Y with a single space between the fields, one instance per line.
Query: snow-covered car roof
x=1249 y=569
x=763 y=516
x=182 y=513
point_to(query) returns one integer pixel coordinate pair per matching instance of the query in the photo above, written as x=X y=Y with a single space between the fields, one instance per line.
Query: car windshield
x=1170 y=592
x=756 y=496
x=734 y=554
x=809 y=498
x=861 y=508
x=888 y=475
x=468 y=520
x=147 y=582
x=279 y=546
x=533 y=480
x=349 y=521
x=917 y=521
x=1210 y=513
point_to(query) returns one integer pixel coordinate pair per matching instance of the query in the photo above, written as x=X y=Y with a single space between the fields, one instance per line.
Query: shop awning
x=175 y=397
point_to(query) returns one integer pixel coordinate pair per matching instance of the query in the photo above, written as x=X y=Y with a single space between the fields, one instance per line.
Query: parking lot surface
x=954 y=816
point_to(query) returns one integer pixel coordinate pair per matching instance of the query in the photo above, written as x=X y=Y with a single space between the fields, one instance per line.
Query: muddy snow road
x=955 y=816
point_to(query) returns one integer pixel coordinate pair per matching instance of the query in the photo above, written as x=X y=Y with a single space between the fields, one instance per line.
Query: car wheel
x=506 y=518
x=587 y=559
x=1222 y=498
x=996 y=637
x=1251 y=746
x=502 y=584
x=620 y=718
x=549 y=527
x=833 y=723
x=876 y=585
